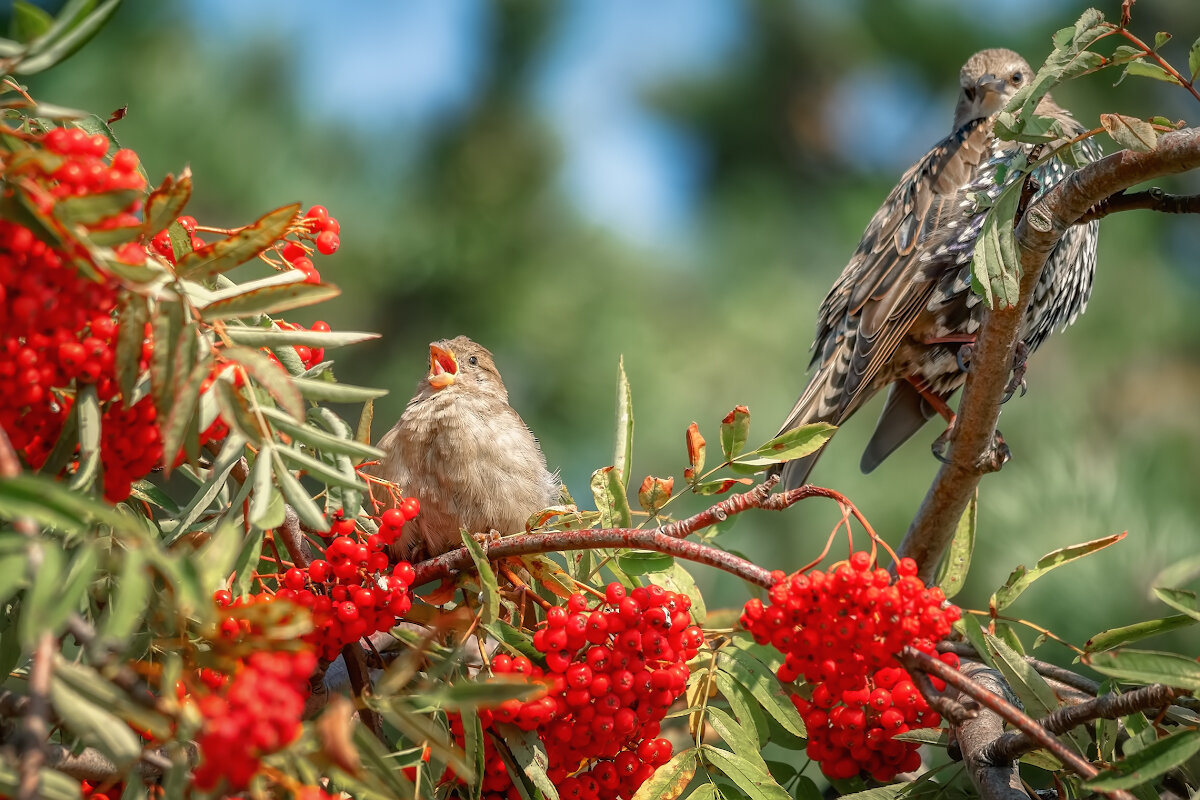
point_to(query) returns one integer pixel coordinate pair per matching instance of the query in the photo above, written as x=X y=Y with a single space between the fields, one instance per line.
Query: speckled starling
x=903 y=307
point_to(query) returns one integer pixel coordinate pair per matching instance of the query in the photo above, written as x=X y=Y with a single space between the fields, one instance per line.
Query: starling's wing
x=884 y=287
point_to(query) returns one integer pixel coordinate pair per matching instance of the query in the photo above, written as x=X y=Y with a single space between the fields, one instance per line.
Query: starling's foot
x=998 y=454
x=1017 y=380
x=963 y=357
x=941 y=443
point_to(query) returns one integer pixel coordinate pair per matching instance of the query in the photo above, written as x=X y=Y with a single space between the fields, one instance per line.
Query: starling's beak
x=990 y=89
x=443 y=367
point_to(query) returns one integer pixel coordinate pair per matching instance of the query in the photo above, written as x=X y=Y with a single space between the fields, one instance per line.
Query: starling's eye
x=472 y=361
x=1017 y=77
x=969 y=91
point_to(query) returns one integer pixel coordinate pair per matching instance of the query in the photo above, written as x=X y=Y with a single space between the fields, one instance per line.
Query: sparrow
x=903 y=307
x=464 y=453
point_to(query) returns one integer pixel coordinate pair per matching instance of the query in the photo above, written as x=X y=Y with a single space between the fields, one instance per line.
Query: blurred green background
x=679 y=181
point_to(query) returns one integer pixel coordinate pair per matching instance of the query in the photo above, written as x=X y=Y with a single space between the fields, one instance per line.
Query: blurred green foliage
x=478 y=238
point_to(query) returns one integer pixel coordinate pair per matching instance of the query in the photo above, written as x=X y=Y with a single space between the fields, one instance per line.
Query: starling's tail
x=821 y=402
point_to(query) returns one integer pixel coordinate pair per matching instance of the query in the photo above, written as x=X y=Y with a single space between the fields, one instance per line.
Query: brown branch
x=1015 y=744
x=971 y=735
x=360 y=682
x=1039 y=230
x=36 y=729
x=293 y=539
x=1043 y=668
x=914 y=660
x=1153 y=199
x=753 y=498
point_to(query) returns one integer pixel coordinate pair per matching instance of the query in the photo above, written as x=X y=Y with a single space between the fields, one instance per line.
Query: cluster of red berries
x=322 y=230
x=96 y=790
x=840 y=631
x=309 y=356
x=611 y=672
x=256 y=713
x=161 y=243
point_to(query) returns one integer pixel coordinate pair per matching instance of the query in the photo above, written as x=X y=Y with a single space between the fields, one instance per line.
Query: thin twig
x=1153 y=199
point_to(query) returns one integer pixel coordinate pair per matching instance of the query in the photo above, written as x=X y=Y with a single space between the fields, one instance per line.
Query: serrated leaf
x=1021 y=578
x=654 y=493
x=670 y=779
x=1146 y=70
x=790 y=445
x=1148 y=763
x=623 y=439
x=550 y=575
x=95 y=725
x=745 y=707
x=473 y=749
x=490 y=601
x=132 y=314
x=735 y=428
x=1147 y=666
x=763 y=686
x=530 y=755
x=51 y=504
x=719 y=486
x=611 y=502
x=278 y=337
x=89 y=209
x=39 y=602
x=1180 y=600
x=1116 y=637
x=931 y=736
x=316 y=468
x=741 y=740
x=953 y=571
x=1194 y=59
x=237 y=248
x=476 y=693
x=66 y=36
x=1130 y=132
x=227 y=458
x=330 y=392
x=182 y=415
x=1036 y=695
x=890 y=792
x=268 y=300
x=128 y=598
x=755 y=781
x=996 y=265
x=310 y=514
x=167 y=323
x=640 y=562
x=270 y=376
x=245 y=566
x=971 y=628
x=167 y=202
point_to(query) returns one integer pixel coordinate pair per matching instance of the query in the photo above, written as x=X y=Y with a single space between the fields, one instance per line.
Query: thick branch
x=360 y=682
x=995 y=781
x=1015 y=744
x=1039 y=230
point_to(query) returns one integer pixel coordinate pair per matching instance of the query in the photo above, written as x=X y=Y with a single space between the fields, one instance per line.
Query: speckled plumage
x=466 y=455
x=908 y=282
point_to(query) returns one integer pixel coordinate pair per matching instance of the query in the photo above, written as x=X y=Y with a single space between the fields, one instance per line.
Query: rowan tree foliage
x=200 y=602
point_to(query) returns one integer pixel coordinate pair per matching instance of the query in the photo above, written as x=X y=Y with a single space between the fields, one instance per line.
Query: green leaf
x=1161 y=38
x=752 y=779
x=278 y=337
x=71 y=591
x=1180 y=600
x=320 y=470
x=226 y=460
x=310 y=514
x=214 y=560
x=763 y=686
x=890 y=792
x=705 y=791
x=167 y=202
x=1021 y=578
x=1036 y=695
x=530 y=754
x=132 y=314
x=512 y=638
x=266 y=504
x=953 y=571
x=996 y=265
x=379 y=762
x=720 y=486
x=669 y=780
x=1130 y=132
x=1194 y=60
x=128 y=599
x=182 y=416
x=1148 y=763
x=14 y=573
x=271 y=376
x=623 y=440
x=268 y=300
x=95 y=725
x=1147 y=666
x=1146 y=70
x=677 y=579
x=73 y=37
x=747 y=710
x=330 y=392
x=640 y=562
x=39 y=602
x=1115 y=637
x=473 y=749
x=89 y=209
x=475 y=693
x=51 y=504
x=741 y=740
x=735 y=429
x=236 y=411
x=490 y=589
x=87 y=407
x=972 y=629
x=611 y=502
x=319 y=439
x=167 y=322
x=28 y=21
x=931 y=736
x=237 y=248
x=51 y=784
x=790 y=445
x=246 y=564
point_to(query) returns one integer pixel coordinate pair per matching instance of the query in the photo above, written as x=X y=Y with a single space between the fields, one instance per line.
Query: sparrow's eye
x=472 y=361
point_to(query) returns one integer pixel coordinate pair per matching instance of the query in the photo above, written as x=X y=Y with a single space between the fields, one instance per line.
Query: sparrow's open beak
x=443 y=367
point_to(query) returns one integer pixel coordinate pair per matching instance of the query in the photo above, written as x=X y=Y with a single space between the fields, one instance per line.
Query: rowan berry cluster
x=354 y=592
x=320 y=229
x=253 y=715
x=611 y=671
x=840 y=631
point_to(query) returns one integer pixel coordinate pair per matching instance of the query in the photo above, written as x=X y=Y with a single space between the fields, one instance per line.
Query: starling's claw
x=963 y=357
x=999 y=454
x=941 y=443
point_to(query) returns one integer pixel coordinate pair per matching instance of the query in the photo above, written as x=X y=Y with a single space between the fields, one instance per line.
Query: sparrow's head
x=460 y=364
x=987 y=82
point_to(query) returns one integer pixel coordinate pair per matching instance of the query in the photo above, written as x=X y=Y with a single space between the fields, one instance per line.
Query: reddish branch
x=914 y=660
x=1039 y=230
